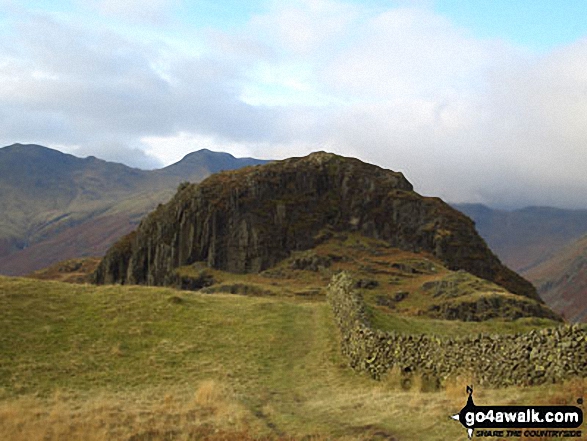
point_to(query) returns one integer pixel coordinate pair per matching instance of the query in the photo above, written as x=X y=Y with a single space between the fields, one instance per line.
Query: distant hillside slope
x=524 y=238
x=55 y=206
x=250 y=219
x=562 y=281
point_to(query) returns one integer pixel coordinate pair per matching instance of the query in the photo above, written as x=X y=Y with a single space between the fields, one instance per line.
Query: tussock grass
x=152 y=415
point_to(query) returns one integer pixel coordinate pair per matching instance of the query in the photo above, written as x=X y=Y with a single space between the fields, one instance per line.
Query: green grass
x=121 y=361
x=389 y=321
x=76 y=336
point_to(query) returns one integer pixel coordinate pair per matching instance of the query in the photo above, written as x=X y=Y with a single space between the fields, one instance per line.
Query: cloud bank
x=465 y=119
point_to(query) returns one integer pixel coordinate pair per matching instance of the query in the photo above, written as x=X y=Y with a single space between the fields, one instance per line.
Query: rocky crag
x=249 y=219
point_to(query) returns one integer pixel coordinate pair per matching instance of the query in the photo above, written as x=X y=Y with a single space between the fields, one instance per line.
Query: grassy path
x=97 y=363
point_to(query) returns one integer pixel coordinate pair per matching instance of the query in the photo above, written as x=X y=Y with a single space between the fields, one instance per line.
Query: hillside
x=55 y=206
x=562 y=281
x=249 y=219
x=69 y=271
x=130 y=362
x=546 y=245
x=526 y=237
x=255 y=344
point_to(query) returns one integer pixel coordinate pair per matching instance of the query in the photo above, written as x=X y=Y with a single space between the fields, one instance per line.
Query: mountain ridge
x=525 y=237
x=211 y=162
x=46 y=195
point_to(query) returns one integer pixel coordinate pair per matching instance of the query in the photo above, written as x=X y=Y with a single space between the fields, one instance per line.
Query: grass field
x=136 y=363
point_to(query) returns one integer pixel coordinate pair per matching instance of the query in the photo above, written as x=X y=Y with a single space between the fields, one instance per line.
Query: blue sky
x=538 y=25
x=476 y=101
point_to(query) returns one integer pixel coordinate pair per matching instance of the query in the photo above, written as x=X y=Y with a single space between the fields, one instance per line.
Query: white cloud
x=114 y=152
x=153 y=12
x=466 y=119
x=170 y=149
x=80 y=85
x=305 y=27
x=463 y=118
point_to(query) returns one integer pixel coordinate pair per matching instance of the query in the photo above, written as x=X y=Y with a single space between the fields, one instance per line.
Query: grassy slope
x=70 y=271
x=418 y=325
x=43 y=224
x=391 y=270
x=115 y=362
x=92 y=236
x=562 y=280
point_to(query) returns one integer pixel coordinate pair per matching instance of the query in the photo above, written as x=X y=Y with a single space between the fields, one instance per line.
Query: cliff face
x=248 y=220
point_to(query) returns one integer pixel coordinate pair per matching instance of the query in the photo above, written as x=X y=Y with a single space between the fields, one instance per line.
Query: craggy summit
x=250 y=219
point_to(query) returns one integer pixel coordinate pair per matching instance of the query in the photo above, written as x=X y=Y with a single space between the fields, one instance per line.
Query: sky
x=479 y=101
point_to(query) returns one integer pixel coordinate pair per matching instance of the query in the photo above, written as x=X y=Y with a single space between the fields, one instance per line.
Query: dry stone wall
x=541 y=356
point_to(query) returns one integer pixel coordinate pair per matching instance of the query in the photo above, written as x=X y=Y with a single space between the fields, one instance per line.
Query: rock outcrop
x=249 y=219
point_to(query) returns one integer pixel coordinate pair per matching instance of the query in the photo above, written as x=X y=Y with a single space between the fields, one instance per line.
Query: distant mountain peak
x=59 y=206
x=29 y=148
x=207 y=162
x=205 y=154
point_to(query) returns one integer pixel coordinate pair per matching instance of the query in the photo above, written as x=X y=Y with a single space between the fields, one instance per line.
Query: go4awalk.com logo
x=515 y=421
